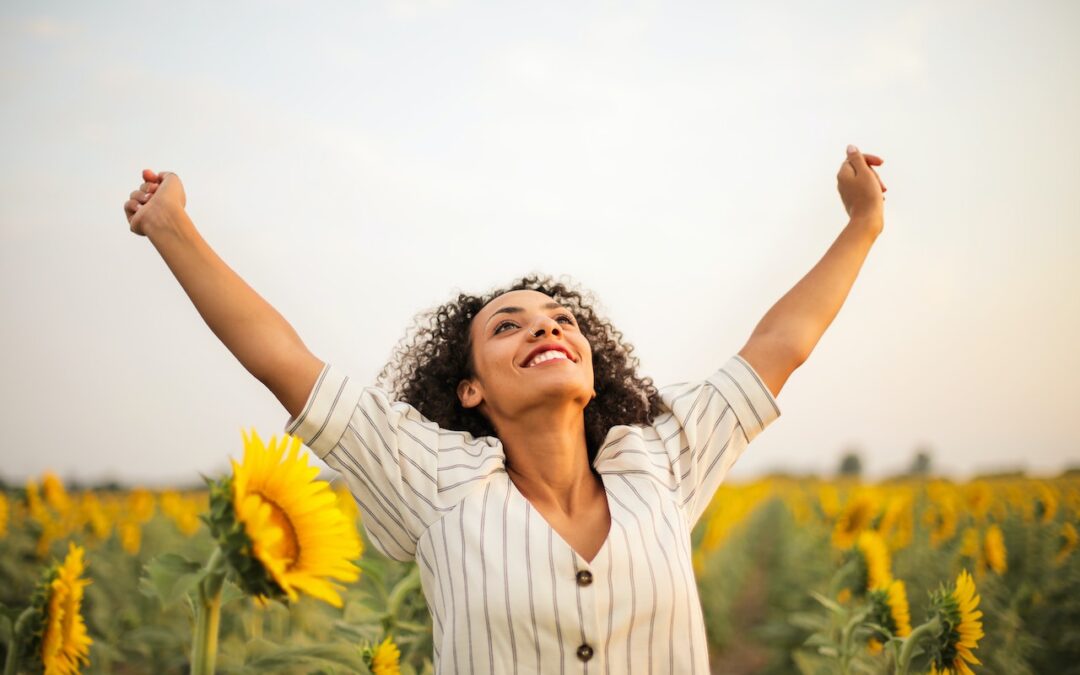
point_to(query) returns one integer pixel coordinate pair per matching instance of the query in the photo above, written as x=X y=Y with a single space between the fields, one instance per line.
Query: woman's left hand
x=860 y=187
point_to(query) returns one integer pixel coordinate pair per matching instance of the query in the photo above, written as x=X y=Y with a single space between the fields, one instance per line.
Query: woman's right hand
x=155 y=201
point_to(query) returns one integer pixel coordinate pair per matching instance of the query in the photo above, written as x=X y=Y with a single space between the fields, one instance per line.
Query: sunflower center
x=288 y=547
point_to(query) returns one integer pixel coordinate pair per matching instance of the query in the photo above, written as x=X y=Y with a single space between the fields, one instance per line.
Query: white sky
x=361 y=162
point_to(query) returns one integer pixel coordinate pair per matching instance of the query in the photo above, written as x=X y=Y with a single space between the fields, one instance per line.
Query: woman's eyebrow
x=516 y=310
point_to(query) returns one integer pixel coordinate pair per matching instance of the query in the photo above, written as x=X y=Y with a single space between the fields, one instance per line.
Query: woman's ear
x=469 y=394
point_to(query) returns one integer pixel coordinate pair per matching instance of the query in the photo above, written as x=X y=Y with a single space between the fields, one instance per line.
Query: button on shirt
x=506 y=593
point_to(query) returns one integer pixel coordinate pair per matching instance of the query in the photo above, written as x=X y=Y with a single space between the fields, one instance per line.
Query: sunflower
x=898 y=619
x=384 y=658
x=92 y=516
x=1045 y=504
x=895 y=524
x=130 y=533
x=140 y=505
x=55 y=494
x=889 y=610
x=828 y=500
x=994 y=549
x=969 y=544
x=855 y=518
x=281 y=530
x=961 y=630
x=64 y=642
x=1068 y=541
x=978 y=497
x=942 y=519
x=875 y=557
x=3 y=515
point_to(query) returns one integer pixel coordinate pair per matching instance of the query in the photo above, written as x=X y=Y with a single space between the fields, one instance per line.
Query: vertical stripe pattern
x=506 y=592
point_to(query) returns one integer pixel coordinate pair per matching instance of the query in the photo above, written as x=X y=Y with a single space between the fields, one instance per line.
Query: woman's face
x=505 y=334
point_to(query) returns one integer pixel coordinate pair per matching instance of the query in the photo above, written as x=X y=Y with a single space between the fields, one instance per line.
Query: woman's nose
x=538 y=330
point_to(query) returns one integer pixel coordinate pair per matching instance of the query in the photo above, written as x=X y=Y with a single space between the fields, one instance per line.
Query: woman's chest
x=496 y=553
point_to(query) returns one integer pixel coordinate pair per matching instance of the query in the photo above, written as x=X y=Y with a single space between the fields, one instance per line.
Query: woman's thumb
x=858 y=162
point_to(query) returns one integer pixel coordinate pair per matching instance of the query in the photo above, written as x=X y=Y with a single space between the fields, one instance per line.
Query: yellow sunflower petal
x=65 y=643
x=296 y=525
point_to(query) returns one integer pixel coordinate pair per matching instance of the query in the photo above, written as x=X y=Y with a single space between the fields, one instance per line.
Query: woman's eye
x=498 y=329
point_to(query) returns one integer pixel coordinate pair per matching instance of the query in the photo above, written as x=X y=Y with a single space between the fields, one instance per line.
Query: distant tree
x=851 y=465
x=921 y=463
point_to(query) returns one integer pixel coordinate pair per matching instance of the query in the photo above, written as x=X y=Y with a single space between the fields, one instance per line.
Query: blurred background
x=357 y=163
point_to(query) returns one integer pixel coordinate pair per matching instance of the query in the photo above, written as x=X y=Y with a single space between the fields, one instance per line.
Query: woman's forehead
x=519 y=297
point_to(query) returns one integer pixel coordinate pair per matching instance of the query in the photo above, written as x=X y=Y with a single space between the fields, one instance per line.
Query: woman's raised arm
x=790 y=330
x=256 y=334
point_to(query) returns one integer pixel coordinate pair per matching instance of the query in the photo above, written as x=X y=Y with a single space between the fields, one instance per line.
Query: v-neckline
x=555 y=532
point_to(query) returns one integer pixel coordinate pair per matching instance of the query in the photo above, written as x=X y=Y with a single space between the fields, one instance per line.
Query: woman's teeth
x=546 y=356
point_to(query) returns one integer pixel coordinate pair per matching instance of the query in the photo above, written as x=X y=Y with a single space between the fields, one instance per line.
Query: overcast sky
x=357 y=163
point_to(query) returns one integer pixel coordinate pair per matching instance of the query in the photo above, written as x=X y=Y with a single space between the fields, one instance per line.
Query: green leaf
x=230 y=592
x=373 y=568
x=169 y=576
x=5 y=629
x=832 y=605
x=402 y=589
x=264 y=655
x=411 y=626
x=357 y=613
x=808 y=621
x=357 y=634
x=819 y=640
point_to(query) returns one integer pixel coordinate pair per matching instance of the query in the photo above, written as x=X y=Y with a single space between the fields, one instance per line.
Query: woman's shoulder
x=632 y=448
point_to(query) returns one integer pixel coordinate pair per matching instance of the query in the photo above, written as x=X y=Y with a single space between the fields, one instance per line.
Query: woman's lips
x=554 y=360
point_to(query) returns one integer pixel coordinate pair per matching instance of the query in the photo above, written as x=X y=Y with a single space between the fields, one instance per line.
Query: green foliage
x=261 y=656
x=250 y=574
x=170 y=577
x=757 y=591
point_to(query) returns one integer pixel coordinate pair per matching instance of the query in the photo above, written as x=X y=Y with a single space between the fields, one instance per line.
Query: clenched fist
x=156 y=201
x=861 y=190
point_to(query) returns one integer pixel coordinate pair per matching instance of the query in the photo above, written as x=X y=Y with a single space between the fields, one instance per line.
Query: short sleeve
x=403 y=469
x=709 y=424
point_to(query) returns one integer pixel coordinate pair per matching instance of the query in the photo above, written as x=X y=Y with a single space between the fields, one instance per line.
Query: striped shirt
x=506 y=593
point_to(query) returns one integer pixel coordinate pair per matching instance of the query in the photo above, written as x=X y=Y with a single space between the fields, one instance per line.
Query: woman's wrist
x=168 y=221
x=872 y=222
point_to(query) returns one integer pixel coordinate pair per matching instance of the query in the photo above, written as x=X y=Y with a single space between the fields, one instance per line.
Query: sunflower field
x=268 y=570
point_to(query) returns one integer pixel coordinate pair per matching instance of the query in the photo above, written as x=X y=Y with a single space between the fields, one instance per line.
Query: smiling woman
x=546 y=491
x=601 y=476
x=430 y=363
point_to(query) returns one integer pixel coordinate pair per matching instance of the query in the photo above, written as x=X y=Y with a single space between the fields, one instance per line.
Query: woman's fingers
x=874 y=160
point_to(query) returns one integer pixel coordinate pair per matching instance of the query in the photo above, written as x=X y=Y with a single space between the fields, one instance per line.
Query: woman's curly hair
x=425 y=369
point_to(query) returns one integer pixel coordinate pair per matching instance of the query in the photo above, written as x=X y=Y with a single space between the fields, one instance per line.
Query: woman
x=546 y=491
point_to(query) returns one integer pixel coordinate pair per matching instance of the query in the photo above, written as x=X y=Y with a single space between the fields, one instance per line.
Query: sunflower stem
x=846 y=634
x=932 y=626
x=11 y=664
x=208 y=616
x=256 y=621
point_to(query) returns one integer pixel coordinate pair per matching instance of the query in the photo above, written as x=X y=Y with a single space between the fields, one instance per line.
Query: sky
x=358 y=163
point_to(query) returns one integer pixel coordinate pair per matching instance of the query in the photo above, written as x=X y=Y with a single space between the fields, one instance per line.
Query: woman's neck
x=548 y=460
